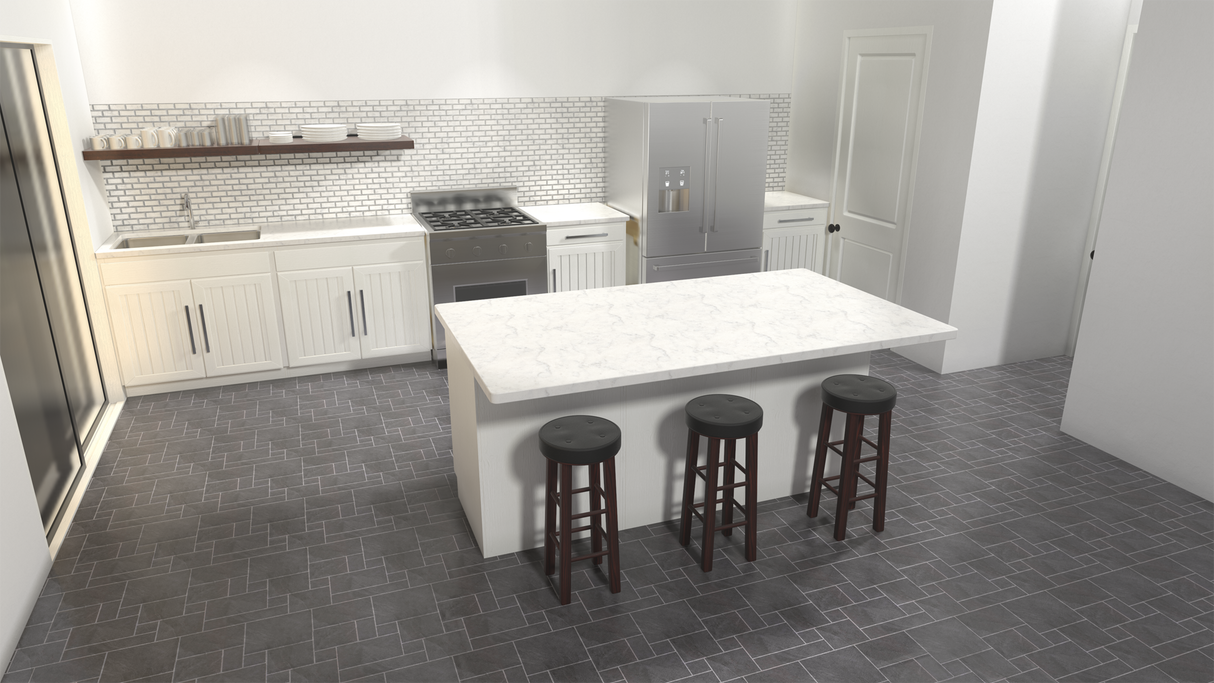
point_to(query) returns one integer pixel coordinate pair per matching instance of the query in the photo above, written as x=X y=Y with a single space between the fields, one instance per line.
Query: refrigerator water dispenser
x=675 y=188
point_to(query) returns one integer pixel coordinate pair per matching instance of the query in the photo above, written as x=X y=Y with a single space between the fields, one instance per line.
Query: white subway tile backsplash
x=553 y=149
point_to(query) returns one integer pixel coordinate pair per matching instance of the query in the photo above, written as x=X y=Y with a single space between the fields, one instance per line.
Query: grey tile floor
x=308 y=530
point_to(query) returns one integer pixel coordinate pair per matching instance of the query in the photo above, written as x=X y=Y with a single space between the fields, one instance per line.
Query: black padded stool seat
x=721 y=417
x=566 y=442
x=579 y=439
x=857 y=396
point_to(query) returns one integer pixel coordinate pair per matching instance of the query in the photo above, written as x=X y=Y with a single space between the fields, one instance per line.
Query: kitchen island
x=635 y=355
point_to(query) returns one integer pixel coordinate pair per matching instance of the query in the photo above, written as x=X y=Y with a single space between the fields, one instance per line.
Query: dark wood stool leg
x=883 y=430
x=855 y=480
x=727 y=495
x=752 y=497
x=815 y=484
x=566 y=536
x=613 y=531
x=710 y=502
x=689 y=486
x=847 y=472
x=550 y=490
x=596 y=503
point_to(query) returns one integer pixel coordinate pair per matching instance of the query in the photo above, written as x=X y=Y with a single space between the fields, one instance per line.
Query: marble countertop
x=279 y=234
x=528 y=347
x=558 y=215
x=786 y=201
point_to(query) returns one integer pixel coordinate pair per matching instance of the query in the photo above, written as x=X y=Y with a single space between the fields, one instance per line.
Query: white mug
x=99 y=142
x=134 y=141
x=149 y=137
x=117 y=142
x=167 y=136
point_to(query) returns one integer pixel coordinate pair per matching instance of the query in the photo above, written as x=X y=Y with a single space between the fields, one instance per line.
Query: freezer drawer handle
x=363 y=304
x=206 y=339
x=189 y=325
x=350 y=304
x=796 y=220
x=707 y=263
x=582 y=237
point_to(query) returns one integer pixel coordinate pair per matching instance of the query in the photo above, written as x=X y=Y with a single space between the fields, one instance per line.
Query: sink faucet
x=189 y=210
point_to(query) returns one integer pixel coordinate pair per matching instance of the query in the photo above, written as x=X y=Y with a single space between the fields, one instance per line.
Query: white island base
x=500 y=469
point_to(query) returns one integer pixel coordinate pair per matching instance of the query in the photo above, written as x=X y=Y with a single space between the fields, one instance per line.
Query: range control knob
x=476 y=251
x=450 y=253
x=501 y=249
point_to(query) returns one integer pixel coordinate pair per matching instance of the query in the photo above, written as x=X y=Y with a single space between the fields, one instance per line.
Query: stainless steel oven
x=481 y=247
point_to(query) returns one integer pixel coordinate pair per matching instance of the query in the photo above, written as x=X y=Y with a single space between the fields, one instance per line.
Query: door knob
x=833 y=227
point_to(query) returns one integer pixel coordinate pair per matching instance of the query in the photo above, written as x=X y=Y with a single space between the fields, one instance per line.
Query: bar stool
x=858 y=396
x=566 y=442
x=718 y=417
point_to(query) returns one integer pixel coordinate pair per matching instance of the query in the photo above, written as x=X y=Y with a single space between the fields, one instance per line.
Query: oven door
x=483 y=280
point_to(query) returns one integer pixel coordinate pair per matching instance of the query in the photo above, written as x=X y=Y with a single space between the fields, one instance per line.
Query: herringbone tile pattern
x=308 y=530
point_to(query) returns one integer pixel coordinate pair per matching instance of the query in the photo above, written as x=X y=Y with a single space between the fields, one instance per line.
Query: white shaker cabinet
x=794 y=232
x=585 y=257
x=375 y=304
x=153 y=327
x=187 y=329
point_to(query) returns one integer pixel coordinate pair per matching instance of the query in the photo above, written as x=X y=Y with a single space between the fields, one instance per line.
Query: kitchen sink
x=152 y=241
x=234 y=236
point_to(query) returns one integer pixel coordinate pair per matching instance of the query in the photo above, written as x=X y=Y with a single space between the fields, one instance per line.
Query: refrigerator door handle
x=716 y=148
x=708 y=165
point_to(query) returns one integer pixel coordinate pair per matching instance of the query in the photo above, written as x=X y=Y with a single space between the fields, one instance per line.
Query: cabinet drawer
x=361 y=254
x=583 y=234
x=794 y=218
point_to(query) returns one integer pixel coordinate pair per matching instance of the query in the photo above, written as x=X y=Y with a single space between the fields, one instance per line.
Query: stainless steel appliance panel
x=484 y=280
x=45 y=338
x=678 y=135
x=691 y=266
x=739 y=146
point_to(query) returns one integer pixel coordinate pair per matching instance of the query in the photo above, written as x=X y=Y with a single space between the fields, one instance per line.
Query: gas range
x=486 y=208
x=476 y=218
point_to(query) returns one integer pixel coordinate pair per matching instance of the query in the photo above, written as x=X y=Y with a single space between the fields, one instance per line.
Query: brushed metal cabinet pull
x=795 y=220
x=362 y=302
x=189 y=325
x=206 y=339
x=350 y=304
x=553 y=280
x=582 y=237
x=766 y=259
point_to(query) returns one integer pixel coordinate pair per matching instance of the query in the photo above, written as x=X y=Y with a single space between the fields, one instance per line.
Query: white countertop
x=557 y=215
x=528 y=347
x=274 y=235
x=786 y=201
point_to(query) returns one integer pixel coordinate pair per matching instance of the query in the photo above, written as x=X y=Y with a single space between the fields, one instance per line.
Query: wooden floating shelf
x=259 y=146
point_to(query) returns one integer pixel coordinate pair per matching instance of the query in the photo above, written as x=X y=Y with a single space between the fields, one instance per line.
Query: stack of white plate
x=280 y=137
x=378 y=131
x=323 y=132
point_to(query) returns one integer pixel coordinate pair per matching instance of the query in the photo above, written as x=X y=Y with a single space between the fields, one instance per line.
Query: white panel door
x=392 y=309
x=239 y=324
x=318 y=316
x=883 y=83
x=155 y=328
x=586 y=266
x=785 y=248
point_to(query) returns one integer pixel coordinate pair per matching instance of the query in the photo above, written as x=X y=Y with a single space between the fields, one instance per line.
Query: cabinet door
x=393 y=308
x=785 y=248
x=239 y=324
x=318 y=315
x=585 y=266
x=156 y=329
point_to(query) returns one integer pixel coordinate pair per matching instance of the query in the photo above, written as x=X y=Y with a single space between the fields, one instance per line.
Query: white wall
x=52 y=20
x=1142 y=385
x=950 y=110
x=27 y=560
x=1051 y=68
x=271 y=50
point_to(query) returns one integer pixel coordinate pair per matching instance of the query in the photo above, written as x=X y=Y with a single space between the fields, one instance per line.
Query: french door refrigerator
x=691 y=171
x=46 y=341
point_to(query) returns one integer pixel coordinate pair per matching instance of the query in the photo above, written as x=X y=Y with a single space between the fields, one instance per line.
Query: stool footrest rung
x=583 y=515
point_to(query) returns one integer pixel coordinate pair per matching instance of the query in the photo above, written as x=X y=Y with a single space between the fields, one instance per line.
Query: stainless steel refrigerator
x=691 y=171
x=46 y=341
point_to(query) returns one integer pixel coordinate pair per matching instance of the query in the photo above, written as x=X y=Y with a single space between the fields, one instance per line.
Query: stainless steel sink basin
x=234 y=236
x=152 y=241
